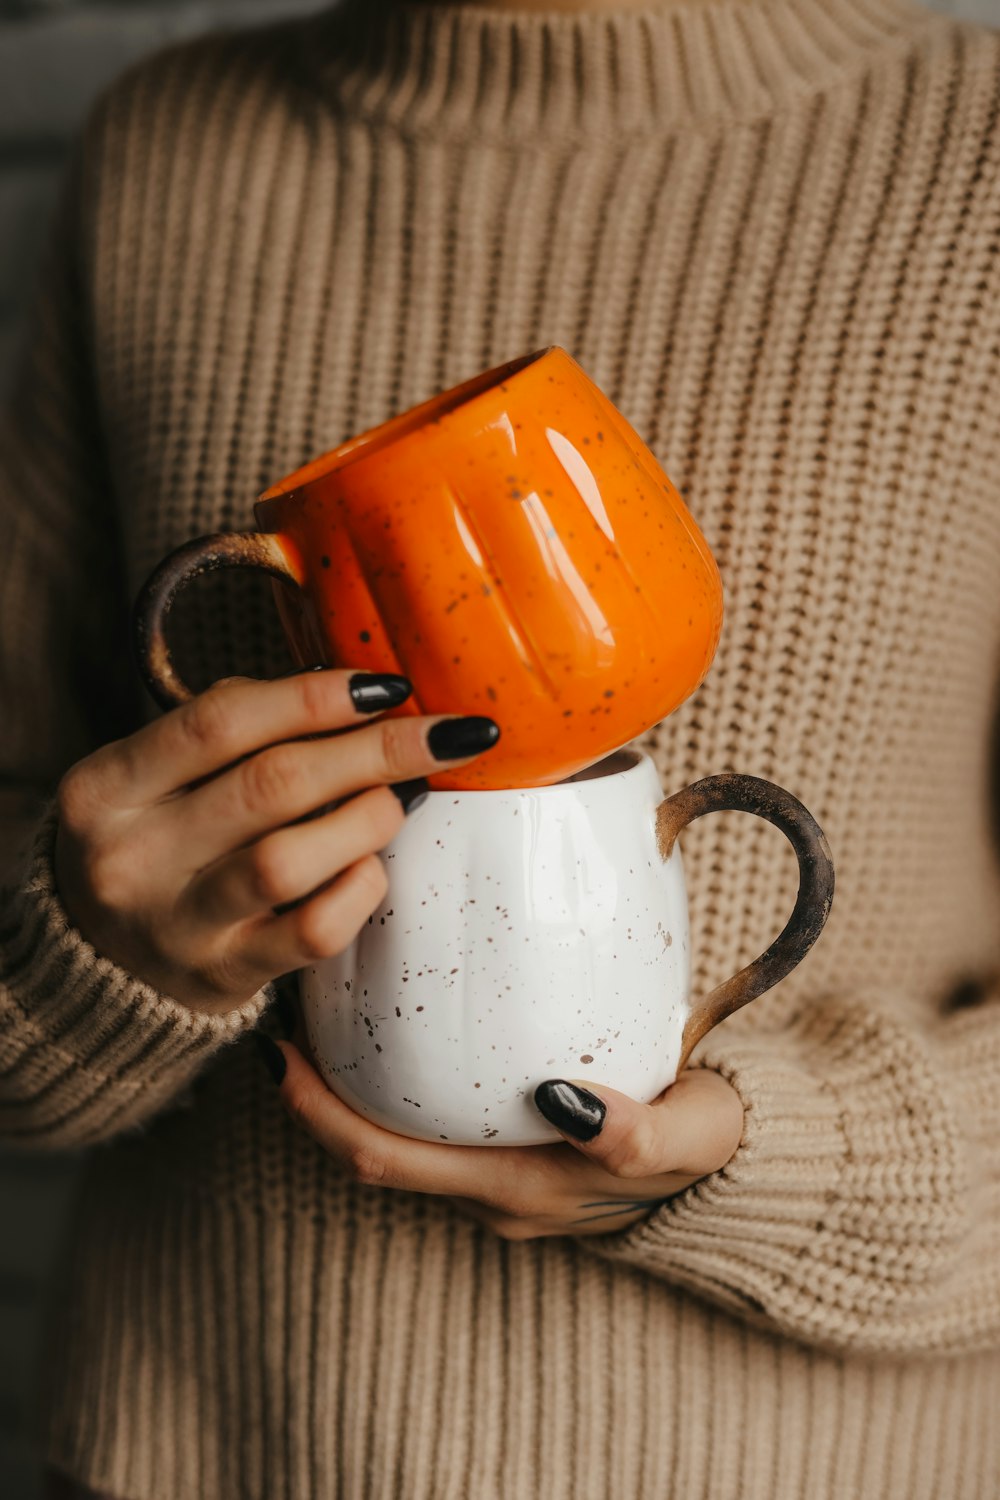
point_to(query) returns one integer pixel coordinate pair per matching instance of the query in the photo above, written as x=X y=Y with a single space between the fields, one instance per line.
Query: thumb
x=694 y=1127
x=624 y=1136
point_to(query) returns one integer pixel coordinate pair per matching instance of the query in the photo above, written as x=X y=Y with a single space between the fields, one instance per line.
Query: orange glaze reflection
x=585 y=617
x=516 y=550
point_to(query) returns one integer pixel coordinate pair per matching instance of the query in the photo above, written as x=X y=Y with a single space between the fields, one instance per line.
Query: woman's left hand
x=639 y=1155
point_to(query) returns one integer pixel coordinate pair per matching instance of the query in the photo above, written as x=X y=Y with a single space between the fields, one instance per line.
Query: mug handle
x=734 y=793
x=206 y=554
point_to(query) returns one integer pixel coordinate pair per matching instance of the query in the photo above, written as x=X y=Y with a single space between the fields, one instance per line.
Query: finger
x=692 y=1129
x=380 y=1158
x=291 y=780
x=286 y=866
x=237 y=717
x=320 y=927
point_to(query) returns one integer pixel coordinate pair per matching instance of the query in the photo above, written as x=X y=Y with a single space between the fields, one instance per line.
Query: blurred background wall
x=54 y=57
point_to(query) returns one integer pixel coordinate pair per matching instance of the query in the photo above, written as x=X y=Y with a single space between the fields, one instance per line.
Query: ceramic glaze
x=527 y=934
x=514 y=549
x=511 y=546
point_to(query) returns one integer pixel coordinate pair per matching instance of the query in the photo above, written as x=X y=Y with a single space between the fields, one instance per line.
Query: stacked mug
x=514 y=549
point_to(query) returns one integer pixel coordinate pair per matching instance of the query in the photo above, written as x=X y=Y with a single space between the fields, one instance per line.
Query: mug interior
x=403 y=424
x=625 y=759
x=620 y=762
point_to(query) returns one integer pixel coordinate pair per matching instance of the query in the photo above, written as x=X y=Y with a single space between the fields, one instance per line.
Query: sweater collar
x=474 y=69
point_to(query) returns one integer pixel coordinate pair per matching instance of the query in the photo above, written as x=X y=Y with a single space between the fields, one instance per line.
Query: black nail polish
x=320 y=666
x=575 y=1111
x=271 y=1056
x=373 y=691
x=412 y=794
x=451 y=739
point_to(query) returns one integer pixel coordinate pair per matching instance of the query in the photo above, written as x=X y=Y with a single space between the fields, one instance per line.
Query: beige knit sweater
x=769 y=229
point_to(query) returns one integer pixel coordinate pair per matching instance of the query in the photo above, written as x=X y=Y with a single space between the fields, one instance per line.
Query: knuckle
x=314 y=695
x=269 y=873
x=299 y=1109
x=635 y=1154
x=395 y=749
x=370 y=875
x=225 y=975
x=269 y=780
x=367 y=1166
x=385 y=816
x=205 y=719
x=74 y=799
x=324 y=928
x=109 y=875
x=321 y=932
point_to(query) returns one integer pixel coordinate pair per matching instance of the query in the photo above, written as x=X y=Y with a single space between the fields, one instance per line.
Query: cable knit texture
x=769 y=230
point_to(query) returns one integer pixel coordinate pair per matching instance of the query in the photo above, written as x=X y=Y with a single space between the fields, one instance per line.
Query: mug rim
x=364 y=444
x=591 y=776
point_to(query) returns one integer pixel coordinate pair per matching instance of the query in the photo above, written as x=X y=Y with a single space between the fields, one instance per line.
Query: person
x=768 y=230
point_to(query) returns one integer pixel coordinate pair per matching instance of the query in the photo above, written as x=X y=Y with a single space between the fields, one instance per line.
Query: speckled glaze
x=514 y=548
x=527 y=934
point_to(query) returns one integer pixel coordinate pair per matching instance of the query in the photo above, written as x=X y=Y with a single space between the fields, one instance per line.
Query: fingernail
x=577 y=1112
x=412 y=794
x=320 y=666
x=450 y=739
x=271 y=1055
x=372 y=691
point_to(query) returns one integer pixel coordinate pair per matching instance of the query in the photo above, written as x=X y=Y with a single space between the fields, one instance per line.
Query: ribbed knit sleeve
x=85 y=1049
x=862 y=1209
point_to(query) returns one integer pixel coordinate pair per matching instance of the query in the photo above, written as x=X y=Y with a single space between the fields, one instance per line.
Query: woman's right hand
x=181 y=851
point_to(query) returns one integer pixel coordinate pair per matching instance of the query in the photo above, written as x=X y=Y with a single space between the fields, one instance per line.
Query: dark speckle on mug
x=365 y=635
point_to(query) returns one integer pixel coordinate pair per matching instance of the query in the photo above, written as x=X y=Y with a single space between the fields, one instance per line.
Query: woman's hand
x=190 y=853
x=639 y=1156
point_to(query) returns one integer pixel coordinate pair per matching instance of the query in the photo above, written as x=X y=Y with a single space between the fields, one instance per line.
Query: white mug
x=538 y=933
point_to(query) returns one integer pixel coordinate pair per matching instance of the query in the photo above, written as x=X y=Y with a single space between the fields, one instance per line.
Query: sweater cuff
x=845 y=1203
x=86 y=1049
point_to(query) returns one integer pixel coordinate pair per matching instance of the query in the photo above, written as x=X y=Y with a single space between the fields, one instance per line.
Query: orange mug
x=511 y=546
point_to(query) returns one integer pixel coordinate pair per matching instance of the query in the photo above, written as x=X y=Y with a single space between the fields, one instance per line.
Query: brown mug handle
x=206 y=554
x=734 y=793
